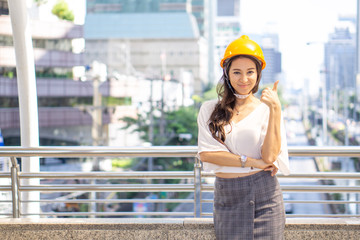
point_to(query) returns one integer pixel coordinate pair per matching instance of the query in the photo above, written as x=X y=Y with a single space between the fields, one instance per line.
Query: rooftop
x=141 y=26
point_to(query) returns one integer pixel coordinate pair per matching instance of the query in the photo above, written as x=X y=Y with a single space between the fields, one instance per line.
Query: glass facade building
x=195 y=7
x=4 y=8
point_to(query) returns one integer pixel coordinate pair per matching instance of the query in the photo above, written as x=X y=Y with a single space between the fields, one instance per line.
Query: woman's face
x=243 y=75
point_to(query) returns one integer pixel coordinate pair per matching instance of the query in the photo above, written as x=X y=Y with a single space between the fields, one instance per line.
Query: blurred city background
x=135 y=72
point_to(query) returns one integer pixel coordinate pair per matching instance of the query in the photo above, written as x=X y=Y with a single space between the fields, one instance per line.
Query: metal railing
x=195 y=185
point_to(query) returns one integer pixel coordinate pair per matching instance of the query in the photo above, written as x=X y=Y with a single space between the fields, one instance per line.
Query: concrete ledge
x=165 y=228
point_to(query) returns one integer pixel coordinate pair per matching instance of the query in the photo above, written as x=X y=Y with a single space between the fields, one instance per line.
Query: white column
x=358 y=45
x=357 y=90
x=26 y=82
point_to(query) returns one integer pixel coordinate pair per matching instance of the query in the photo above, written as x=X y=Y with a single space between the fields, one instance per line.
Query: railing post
x=197 y=188
x=15 y=187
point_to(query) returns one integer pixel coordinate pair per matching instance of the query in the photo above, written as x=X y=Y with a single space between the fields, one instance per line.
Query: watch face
x=243 y=160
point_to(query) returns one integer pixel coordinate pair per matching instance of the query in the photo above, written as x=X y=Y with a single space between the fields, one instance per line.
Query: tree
x=61 y=10
x=40 y=2
x=177 y=122
x=180 y=129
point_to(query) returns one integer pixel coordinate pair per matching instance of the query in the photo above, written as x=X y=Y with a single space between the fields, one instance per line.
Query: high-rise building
x=340 y=68
x=195 y=7
x=340 y=59
x=227 y=29
x=4 y=8
x=269 y=42
x=60 y=93
x=228 y=8
x=154 y=44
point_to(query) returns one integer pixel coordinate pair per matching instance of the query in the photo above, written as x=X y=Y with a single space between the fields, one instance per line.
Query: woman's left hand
x=270 y=97
x=273 y=169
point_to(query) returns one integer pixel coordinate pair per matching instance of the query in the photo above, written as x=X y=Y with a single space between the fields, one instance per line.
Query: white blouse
x=245 y=137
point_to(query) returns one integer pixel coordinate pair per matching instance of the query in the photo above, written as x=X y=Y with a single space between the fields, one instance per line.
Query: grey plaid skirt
x=249 y=207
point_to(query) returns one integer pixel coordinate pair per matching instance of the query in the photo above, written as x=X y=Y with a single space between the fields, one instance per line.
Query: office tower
x=60 y=92
x=340 y=71
x=270 y=45
x=195 y=7
x=4 y=8
x=340 y=59
x=227 y=29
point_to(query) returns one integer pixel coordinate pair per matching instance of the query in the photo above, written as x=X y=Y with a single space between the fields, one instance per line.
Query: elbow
x=270 y=158
x=204 y=156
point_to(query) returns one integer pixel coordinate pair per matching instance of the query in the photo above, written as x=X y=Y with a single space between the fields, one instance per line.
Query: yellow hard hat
x=244 y=46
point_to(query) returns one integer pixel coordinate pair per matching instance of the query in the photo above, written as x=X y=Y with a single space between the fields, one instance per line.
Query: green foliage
x=209 y=94
x=182 y=120
x=61 y=10
x=40 y=2
x=177 y=122
x=122 y=163
x=116 y=101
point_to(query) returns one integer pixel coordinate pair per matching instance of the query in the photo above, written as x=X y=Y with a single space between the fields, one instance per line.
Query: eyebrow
x=240 y=69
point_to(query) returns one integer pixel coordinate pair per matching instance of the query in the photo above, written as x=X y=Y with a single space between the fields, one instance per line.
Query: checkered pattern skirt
x=248 y=208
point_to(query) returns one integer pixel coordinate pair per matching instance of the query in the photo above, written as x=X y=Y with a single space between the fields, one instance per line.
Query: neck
x=247 y=100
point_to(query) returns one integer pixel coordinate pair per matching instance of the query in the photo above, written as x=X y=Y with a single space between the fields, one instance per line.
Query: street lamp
x=324 y=108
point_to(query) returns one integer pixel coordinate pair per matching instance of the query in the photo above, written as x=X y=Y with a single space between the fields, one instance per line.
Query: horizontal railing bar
x=287 y=188
x=322 y=215
x=296 y=188
x=161 y=151
x=311 y=151
x=114 y=201
x=108 y=187
x=302 y=201
x=321 y=202
x=110 y=175
x=172 y=175
x=307 y=215
x=158 y=151
x=111 y=214
x=319 y=175
x=164 y=151
x=324 y=175
x=206 y=214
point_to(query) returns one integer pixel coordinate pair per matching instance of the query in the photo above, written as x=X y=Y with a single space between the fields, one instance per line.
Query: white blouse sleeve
x=206 y=142
x=282 y=161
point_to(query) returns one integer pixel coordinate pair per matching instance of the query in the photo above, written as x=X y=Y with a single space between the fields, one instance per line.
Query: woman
x=242 y=140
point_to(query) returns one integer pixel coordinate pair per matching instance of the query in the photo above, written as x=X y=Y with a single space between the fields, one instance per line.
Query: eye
x=251 y=72
x=236 y=73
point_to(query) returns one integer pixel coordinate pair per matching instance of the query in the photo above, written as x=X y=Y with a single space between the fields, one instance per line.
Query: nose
x=243 y=78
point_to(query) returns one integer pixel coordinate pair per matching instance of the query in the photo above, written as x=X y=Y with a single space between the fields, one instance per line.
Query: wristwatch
x=243 y=159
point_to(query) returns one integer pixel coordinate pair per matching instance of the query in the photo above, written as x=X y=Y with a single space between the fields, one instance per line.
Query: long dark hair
x=223 y=111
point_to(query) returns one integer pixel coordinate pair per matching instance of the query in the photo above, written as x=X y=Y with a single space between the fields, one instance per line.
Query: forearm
x=228 y=159
x=272 y=142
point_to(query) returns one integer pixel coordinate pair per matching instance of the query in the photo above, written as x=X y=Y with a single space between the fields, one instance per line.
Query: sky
x=297 y=23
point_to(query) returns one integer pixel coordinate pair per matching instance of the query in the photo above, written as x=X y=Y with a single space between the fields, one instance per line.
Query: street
x=296 y=137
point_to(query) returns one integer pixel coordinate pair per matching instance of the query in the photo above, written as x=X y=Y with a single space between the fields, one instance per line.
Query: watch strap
x=243 y=159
